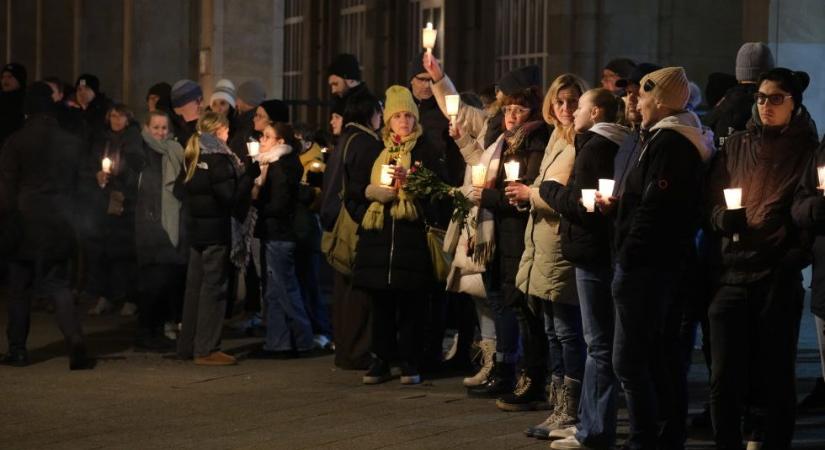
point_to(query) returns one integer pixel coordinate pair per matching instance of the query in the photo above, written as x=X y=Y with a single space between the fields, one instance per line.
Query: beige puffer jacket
x=543 y=272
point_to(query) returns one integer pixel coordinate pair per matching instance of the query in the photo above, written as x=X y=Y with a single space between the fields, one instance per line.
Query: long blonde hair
x=209 y=122
x=562 y=82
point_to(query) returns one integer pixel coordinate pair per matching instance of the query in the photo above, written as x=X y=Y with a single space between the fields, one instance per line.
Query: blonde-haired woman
x=218 y=190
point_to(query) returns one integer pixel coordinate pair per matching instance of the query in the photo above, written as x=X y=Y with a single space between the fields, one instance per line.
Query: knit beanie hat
x=185 y=91
x=519 y=80
x=339 y=105
x=752 y=59
x=621 y=67
x=224 y=90
x=89 y=81
x=669 y=86
x=276 y=110
x=38 y=99
x=345 y=66
x=252 y=92
x=399 y=99
x=17 y=71
x=415 y=66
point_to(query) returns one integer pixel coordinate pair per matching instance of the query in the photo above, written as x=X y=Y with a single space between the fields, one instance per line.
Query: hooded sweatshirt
x=660 y=209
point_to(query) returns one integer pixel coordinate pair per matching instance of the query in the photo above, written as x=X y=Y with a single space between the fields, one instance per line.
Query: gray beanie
x=753 y=59
x=185 y=91
x=224 y=90
x=252 y=92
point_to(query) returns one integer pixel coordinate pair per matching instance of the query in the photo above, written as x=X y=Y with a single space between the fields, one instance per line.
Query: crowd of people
x=601 y=229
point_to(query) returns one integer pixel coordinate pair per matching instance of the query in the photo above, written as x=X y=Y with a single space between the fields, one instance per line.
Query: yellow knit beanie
x=669 y=86
x=399 y=99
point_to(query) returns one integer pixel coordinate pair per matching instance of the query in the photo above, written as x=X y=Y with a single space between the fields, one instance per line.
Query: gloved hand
x=380 y=194
x=735 y=220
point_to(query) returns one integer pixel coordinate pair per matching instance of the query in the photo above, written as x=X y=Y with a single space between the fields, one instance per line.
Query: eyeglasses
x=516 y=109
x=773 y=99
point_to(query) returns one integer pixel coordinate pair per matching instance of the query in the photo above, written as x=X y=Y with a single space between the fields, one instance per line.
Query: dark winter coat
x=278 y=199
x=94 y=116
x=183 y=129
x=395 y=257
x=732 y=113
x=153 y=244
x=38 y=182
x=768 y=164
x=437 y=130
x=11 y=113
x=242 y=128
x=809 y=213
x=585 y=238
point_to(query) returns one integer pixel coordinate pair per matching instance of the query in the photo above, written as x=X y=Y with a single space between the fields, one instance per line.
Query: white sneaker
x=563 y=433
x=568 y=443
x=170 y=330
x=128 y=310
x=101 y=307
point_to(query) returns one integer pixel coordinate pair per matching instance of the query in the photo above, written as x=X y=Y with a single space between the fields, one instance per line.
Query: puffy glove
x=380 y=194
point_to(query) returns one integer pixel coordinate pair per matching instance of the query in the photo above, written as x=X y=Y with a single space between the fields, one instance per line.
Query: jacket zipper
x=392 y=250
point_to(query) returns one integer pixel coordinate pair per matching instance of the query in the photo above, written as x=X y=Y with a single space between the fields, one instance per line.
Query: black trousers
x=352 y=324
x=161 y=291
x=754 y=330
x=397 y=325
x=530 y=315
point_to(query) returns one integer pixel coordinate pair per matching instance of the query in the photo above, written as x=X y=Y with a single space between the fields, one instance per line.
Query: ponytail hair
x=209 y=122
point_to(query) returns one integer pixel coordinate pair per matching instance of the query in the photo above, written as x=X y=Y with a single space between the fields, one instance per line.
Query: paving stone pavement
x=136 y=400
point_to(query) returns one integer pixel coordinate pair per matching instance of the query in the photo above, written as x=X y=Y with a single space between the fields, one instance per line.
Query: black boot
x=78 y=359
x=529 y=394
x=502 y=381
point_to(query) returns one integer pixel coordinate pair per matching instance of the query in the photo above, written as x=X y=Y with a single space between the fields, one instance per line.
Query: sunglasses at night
x=773 y=99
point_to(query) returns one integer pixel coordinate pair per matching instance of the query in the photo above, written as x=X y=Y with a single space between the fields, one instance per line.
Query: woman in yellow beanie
x=392 y=262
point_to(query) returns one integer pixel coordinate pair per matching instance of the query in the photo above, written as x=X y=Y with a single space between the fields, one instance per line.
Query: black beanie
x=276 y=110
x=520 y=79
x=38 y=99
x=345 y=66
x=17 y=71
x=415 y=66
x=164 y=92
x=339 y=105
x=89 y=81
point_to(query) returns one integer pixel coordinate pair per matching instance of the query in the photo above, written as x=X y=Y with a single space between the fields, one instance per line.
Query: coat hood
x=688 y=125
x=612 y=131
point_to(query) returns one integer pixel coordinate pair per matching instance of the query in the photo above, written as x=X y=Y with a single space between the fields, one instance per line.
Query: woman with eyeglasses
x=755 y=313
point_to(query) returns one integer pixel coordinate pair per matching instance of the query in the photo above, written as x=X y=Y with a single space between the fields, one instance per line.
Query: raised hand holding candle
x=428 y=39
x=511 y=170
x=106 y=165
x=733 y=199
x=589 y=199
x=387 y=171
x=606 y=187
x=254 y=148
x=452 y=102
x=479 y=175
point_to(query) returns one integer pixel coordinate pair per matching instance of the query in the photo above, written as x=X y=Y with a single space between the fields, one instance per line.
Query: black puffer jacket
x=809 y=213
x=38 y=179
x=278 y=199
x=395 y=257
x=768 y=164
x=217 y=192
x=585 y=238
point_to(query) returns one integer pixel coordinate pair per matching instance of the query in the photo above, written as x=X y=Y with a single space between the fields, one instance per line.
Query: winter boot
x=501 y=381
x=529 y=394
x=567 y=406
x=488 y=354
x=554 y=388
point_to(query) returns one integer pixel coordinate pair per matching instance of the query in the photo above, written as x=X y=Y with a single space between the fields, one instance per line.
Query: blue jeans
x=563 y=327
x=285 y=313
x=309 y=279
x=506 y=324
x=597 y=406
x=643 y=298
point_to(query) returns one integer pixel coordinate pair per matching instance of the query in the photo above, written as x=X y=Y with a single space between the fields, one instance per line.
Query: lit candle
x=511 y=169
x=453 y=102
x=323 y=149
x=387 y=172
x=254 y=148
x=428 y=38
x=606 y=186
x=479 y=175
x=106 y=165
x=820 y=171
x=733 y=198
x=316 y=165
x=589 y=199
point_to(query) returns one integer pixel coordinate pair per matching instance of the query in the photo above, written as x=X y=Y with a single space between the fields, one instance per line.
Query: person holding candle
x=585 y=242
x=392 y=260
x=549 y=311
x=218 y=191
x=656 y=219
x=755 y=313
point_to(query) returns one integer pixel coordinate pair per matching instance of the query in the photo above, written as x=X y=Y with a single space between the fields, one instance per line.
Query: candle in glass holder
x=606 y=186
x=820 y=171
x=387 y=172
x=106 y=165
x=452 y=102
x=589 y=199
x=733 y=198
x=254 y=147
x=428 y=38
x=479 y=175
x=511 y=169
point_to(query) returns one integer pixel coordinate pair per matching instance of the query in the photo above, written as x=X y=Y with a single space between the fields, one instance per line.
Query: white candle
x=733 y=198
x=387 y=172
x=316 y=165
x=606 y=187
x=589 y=199
x=820 y=171
x=106 y=165
x=479 y=175
x=323 y=149
x=254 y=147
x=453 y=102
x=511 y=169
x=428 y=37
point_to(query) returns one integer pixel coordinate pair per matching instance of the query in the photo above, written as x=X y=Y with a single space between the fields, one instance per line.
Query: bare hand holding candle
x=589 y=199
x=254 y=148
x=606 y=187
x=106 y=165
x=453 y=102
x=387 y=172
x=733 y=199
x=511 y=170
